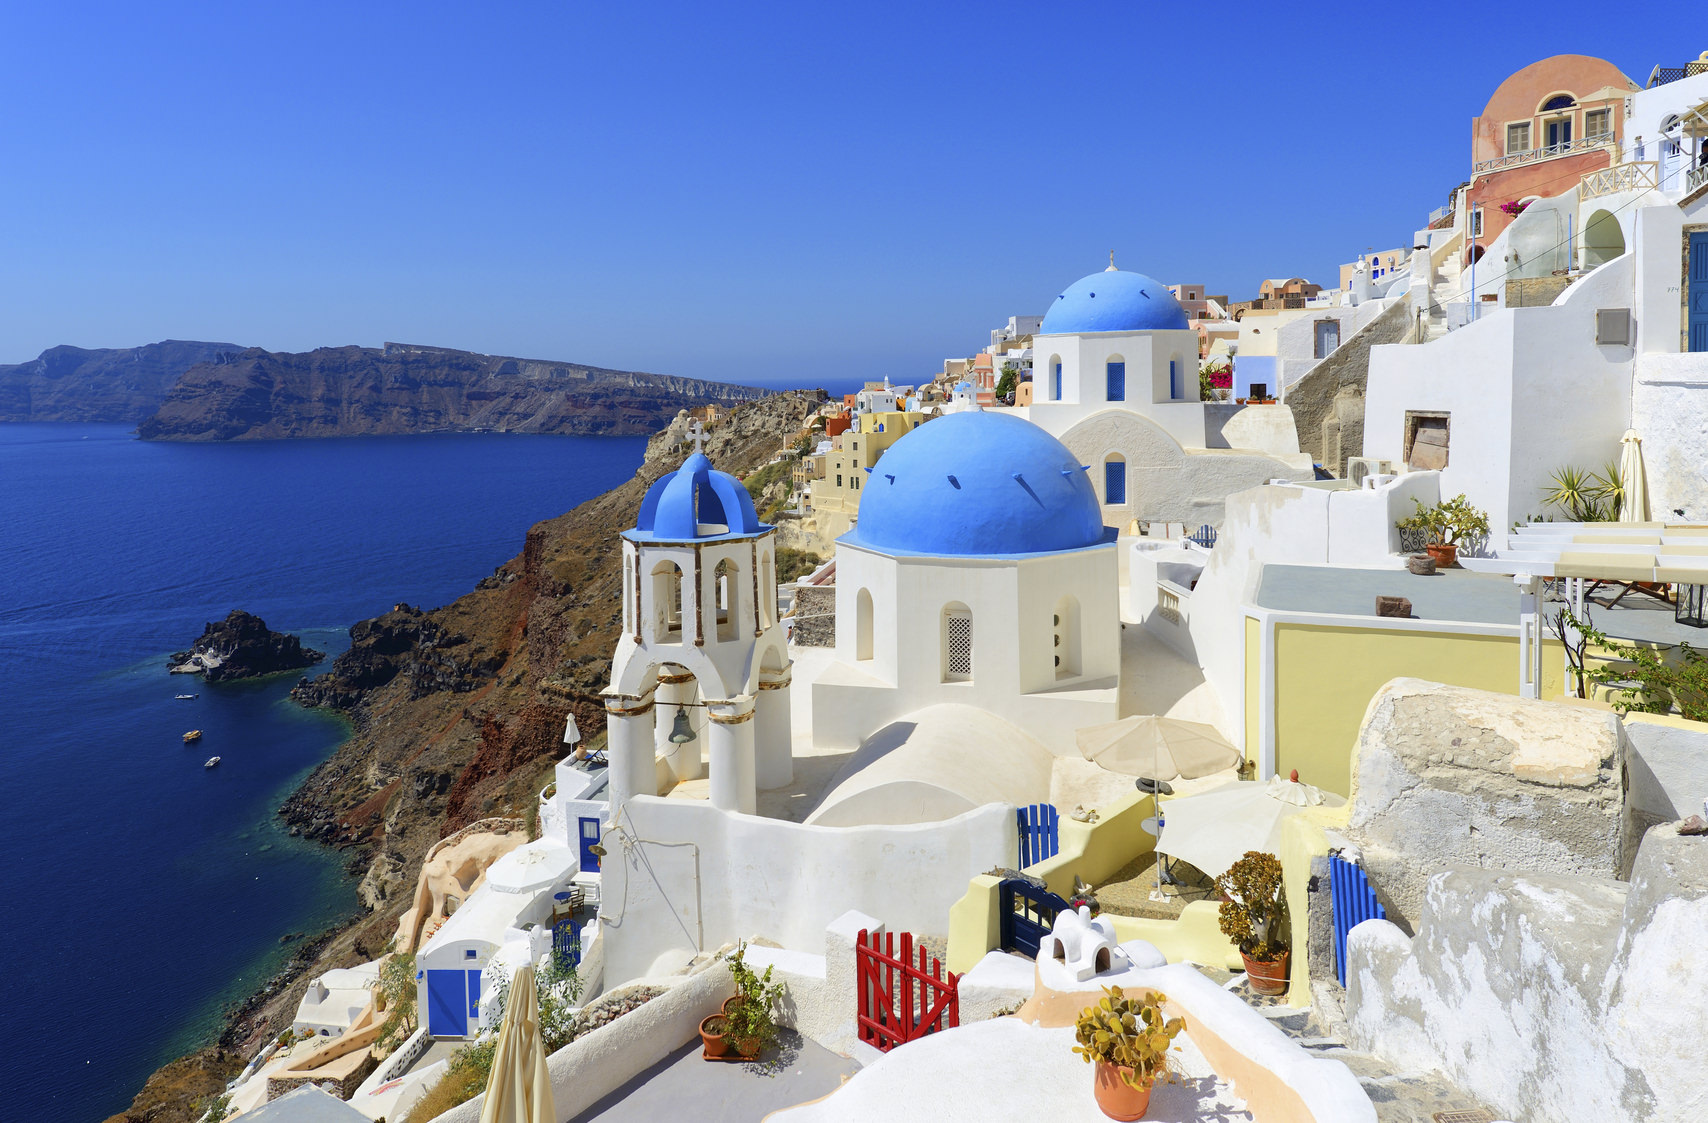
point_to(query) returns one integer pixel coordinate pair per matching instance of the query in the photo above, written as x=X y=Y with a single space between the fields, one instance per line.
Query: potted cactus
x=1253 y=910
x=1127 y=1041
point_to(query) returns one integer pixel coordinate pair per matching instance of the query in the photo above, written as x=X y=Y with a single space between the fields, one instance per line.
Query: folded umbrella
x=1212 y=831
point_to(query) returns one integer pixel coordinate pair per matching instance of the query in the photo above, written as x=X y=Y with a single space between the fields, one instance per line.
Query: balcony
x=1637 y=176
x=1696 y=177
x=1536 y=155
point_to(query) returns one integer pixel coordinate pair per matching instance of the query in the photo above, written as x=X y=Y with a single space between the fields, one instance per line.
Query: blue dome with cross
x=1114 y=300
x=696 y=503
x=978 y=484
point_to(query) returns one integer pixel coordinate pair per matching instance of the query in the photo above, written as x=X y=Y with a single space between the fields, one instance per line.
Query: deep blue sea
x=143 y=893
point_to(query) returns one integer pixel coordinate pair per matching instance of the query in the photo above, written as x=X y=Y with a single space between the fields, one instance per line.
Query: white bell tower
x=702 y=660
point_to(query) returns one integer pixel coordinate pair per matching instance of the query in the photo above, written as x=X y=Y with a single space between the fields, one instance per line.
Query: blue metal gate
x=1354 y=903
x=1040 y=834
x=1028 y=914
x=566 y=942
x=1205 y=536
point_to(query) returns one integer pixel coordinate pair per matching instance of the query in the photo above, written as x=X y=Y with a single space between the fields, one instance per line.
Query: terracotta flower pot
x=747 y=1046
x=731 y=1003
x=1444 y=554
x=1267 y=976
x=712 y=1034
x=1117 y=1098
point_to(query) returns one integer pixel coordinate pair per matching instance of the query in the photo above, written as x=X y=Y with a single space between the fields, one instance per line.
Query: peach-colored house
x=1545 y=127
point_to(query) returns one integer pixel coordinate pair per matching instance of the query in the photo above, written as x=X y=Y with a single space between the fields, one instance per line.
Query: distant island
x=191 y=391
x=242 y=646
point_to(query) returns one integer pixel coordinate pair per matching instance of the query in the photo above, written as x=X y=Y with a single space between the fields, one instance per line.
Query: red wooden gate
x=901 y=998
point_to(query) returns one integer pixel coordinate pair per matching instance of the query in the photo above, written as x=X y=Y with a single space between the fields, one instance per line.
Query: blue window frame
x=1116 y=376
x=1056 y=383
x=1697 y=322
x=1114 y=481
x=1173 y=381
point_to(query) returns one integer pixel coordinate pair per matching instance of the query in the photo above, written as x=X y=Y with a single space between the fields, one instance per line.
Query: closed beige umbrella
x=1162 y=748
x=1633 y=481
x=520 y=1088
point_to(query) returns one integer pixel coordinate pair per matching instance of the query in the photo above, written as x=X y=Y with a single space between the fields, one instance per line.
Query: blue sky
x=764 y=193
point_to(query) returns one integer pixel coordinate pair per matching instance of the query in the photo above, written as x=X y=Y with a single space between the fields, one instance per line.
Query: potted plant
x=1127 y=1041
x=748 y=1013
x=714 y=1035
x=1254 y=907
x=1447 y=525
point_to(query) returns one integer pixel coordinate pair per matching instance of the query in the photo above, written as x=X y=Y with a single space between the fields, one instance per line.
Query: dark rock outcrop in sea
x=242 y=646
x=404 y=388
x=123 y=384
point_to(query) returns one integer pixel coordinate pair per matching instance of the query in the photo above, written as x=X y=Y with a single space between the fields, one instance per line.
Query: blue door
x=447 y=1002
x=1698 y=320
x=589 y=839
x=1116 y=375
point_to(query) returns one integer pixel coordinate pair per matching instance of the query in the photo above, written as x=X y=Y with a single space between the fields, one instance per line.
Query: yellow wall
x=1253 y=687
x=1326 y=676
x=1303 y=837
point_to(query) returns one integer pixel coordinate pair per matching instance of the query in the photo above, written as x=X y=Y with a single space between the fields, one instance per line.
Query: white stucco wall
x=1295 y=339
x=1528 y=391
x=1084 y=360
x=1668 y=766
x=1013 y=604
x=682 y=876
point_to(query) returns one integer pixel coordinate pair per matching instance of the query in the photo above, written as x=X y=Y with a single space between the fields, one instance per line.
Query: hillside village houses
x=1494 y=891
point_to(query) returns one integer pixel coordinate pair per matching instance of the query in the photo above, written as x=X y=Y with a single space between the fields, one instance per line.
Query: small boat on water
x=185 y=697
x=192 y=736
x=212 y=760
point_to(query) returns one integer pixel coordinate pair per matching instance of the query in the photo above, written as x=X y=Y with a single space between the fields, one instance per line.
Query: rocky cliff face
x=401 y=388
x=106 y=384
x=242 y=646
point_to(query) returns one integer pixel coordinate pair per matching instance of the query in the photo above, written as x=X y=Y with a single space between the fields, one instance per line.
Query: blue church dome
x=978 y=484
x=1114 y=300
x=696 y=503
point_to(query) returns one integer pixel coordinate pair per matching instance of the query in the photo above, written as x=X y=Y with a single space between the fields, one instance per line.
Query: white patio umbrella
x=1633 y=481
x=519 y=1090
x=530 y=868
x=1162 y=748
x=1214 y=830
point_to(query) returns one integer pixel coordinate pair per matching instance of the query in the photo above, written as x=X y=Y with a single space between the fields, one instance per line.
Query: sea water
x=143 y=893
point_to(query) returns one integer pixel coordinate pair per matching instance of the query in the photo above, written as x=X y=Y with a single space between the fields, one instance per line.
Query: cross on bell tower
x=697 y=434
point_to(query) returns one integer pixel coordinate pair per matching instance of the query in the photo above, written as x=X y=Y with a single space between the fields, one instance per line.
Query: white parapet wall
x=592 y=1067
x=682 y=877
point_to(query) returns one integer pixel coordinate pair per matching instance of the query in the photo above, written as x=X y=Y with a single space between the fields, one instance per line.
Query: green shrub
x=1254 y=905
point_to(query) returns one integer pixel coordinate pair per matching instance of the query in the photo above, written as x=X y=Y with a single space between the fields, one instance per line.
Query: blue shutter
x=1698 y=317
x=1114 y=481
x=1117 y=382
x=1056 y=391
x=1173 y=382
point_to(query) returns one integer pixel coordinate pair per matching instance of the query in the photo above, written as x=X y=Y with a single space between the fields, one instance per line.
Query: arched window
x=667 y=602
x=1065 y=628
x=728 y=598
x=1558 y=101
x=1115 y=480
x=1055 y=378
x=1115 y=379
x=957 y=643
x=863 y=625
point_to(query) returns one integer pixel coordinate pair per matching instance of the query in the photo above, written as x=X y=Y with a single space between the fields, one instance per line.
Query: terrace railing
x=1531 y=156
x=1636 y=176
x=1696 y=177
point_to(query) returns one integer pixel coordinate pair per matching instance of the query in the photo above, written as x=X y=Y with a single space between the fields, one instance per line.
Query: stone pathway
x=1399 y=1097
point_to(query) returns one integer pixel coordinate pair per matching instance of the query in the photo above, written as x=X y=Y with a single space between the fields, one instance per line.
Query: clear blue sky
x=748 y=192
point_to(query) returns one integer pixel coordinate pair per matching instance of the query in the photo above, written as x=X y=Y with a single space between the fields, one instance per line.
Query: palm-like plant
x=1583 y=496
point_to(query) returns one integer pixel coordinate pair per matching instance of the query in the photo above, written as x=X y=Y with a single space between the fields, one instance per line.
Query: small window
x=1518 y=138
x=1116 y=377
x=1559 y=101
x=1114 y=481
x=1426 y=437
x=1598 y=122
x=957 y=643
x=839 y=479
x=1476 y=222
x=470 y=953
x=1056 y=383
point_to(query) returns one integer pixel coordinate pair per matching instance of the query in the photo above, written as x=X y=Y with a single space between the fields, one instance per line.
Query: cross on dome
x=697 y=434
x=1111 y=268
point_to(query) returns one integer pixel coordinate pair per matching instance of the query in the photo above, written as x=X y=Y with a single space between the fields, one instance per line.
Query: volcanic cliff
x=104 y=384
x=404 y=388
